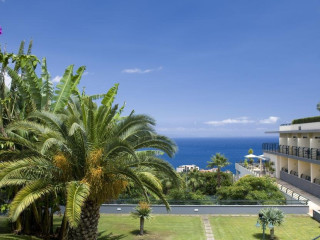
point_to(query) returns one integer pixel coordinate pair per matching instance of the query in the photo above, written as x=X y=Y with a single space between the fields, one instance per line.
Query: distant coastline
x=199 y=150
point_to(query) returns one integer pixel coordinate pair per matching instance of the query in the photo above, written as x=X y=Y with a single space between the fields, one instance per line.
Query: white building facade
x=187 y=168
x=296 y=156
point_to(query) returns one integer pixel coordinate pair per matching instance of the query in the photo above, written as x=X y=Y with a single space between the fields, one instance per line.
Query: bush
x=210 y=182
x=186 y=197
x=252 y=190
x=306 y=120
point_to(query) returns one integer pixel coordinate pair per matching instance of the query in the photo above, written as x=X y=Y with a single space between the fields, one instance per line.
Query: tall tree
x=219 y=161
x=25 y=94
x=88 y=153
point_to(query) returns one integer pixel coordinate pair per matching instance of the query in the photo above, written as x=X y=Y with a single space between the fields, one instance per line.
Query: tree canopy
x=251 y=189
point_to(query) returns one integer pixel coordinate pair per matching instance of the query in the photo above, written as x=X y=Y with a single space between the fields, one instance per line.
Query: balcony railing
x=304 y=152
x=303 y=176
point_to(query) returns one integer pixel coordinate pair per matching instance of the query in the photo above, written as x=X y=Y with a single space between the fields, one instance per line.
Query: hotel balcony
x=292 y=151
x=299 y=166
x=303 y=182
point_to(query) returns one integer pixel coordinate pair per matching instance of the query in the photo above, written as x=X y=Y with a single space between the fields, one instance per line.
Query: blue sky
x=200 y=68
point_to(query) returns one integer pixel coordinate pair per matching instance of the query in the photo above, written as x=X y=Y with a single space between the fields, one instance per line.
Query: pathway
x=207 y=227
x=313 y=203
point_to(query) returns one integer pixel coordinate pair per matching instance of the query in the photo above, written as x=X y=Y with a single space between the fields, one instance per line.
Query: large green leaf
x=64 y=89
x=76 y=78
x=23 y=88
x=77 y=194
x=111 y=94
x=20 y=52
x=34 y=84
x=29 y=47
x=47 y=90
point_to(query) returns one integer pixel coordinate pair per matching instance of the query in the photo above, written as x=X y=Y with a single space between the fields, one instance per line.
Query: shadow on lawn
x=110 y=236
x=17 y=237
x=137 y=232
x=260 y=236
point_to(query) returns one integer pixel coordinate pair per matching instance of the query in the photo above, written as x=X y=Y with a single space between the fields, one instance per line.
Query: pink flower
x=0 y=30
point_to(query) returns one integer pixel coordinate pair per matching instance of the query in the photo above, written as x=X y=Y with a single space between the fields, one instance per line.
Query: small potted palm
x=142 y=211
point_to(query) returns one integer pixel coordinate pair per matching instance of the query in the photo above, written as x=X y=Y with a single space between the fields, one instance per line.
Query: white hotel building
x=297 y=155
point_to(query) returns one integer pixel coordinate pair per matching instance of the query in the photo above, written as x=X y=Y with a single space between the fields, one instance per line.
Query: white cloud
x=240 y=120
x=86 y=73
x=7 y=80
x=56 y=79
x=140 y=71
x=269 y=120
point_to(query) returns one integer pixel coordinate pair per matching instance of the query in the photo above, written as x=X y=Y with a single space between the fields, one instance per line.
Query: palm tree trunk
x=141 y=225
x=18 y=227
x=88 y=227
x=36 y=216
x=272 y=233
x=63 y=228
x=219 y=177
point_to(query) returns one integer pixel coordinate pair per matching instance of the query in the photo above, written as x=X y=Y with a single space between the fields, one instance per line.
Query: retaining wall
x=205 y=209
x=316 y=215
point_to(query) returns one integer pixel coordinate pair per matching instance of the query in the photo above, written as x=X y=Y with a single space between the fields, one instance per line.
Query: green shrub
x=306 y=120
x=252 y=190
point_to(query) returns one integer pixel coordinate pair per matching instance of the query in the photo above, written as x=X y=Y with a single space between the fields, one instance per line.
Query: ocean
x=199 y=150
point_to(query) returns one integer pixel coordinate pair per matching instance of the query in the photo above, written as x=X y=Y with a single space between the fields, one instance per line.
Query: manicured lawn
x=171 y=227
x=162 y=227
x=233 y=227
x=159 y=227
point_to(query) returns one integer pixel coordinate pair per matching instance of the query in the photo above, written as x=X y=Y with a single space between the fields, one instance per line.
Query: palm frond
x=75 y=127
x=50 y=143
x=27 y=196
x=13 y=182
x=17 y=139
x=48 y=118
x=134 y=176
x=105 y=121
x=132 y=121
x=156 y=164
x=20 y=168
x=154 y=186
x=156 y=141
x=77 y=194
x=116 y=147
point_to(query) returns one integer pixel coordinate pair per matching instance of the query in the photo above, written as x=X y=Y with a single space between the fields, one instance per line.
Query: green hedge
x=306 y=120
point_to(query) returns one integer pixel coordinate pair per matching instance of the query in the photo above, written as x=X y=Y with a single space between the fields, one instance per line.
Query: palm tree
x=27 y=93
x=143 y=211
x=219 y=161
x=87 y=153
x=273 y=217
x=269 y=166
x=251 y=161
x=193 y=180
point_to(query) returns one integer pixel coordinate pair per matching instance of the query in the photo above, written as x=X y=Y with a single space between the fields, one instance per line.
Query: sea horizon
x=198 y=150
